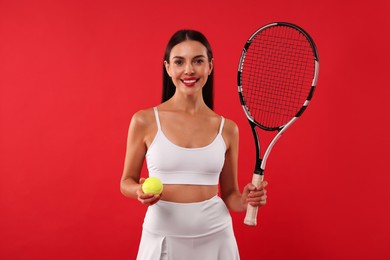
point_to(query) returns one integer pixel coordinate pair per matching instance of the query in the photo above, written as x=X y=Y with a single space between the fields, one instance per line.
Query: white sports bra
x=174 y=164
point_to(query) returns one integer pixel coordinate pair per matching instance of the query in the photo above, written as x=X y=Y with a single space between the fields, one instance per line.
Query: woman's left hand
x=255 y=196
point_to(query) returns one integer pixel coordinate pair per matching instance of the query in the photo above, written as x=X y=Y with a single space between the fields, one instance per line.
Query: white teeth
x=189 y=81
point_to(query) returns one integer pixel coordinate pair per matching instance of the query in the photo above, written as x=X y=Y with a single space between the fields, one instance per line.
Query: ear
x=166 y=64
x=211 y=64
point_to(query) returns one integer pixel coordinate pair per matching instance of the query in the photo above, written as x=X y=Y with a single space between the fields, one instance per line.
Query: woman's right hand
x=144 y=198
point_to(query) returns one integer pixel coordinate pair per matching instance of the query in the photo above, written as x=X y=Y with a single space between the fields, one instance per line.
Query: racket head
x=277 y=74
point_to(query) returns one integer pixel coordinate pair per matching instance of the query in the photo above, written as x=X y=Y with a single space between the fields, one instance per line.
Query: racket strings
x=276 y=75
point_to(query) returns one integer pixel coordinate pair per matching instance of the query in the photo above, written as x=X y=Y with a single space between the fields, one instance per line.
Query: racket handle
x=251 y=211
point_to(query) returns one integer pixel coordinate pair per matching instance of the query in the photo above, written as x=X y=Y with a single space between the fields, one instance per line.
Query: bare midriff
x=188 y=193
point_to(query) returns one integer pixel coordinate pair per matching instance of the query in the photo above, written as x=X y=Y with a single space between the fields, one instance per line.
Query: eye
x=198 y=61
x=178 y=62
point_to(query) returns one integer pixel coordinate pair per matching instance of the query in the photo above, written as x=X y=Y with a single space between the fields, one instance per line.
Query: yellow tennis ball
x=152 y=185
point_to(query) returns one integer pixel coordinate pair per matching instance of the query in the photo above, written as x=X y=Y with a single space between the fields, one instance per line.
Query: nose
x=189 y=69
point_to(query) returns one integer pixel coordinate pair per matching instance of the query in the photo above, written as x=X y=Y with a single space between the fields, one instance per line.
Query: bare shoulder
x=143 y=116
x=230 y=133
x=142 y=119
x=230 y=127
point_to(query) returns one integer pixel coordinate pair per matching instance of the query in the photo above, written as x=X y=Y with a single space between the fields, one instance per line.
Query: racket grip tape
x=251 y=211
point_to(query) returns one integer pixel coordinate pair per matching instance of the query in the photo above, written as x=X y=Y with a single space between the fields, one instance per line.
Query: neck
x=189 y=104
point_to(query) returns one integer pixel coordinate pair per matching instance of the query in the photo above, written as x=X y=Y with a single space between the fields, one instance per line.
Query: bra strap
x=157 y=118
x=221 y=126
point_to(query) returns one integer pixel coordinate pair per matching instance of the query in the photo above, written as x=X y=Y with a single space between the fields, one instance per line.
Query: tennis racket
x=277 y=75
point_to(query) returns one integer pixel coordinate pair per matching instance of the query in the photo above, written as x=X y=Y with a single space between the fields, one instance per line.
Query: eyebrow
x=196 y=57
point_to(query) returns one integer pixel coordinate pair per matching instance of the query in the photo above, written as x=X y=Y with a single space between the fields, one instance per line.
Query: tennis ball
x=152 y=185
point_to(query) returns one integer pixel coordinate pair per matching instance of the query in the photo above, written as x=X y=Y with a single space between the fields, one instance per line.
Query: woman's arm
x=130 y=185
x=255 y=196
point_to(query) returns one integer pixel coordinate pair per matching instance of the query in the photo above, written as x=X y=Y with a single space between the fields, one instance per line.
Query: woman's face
x=189 y=66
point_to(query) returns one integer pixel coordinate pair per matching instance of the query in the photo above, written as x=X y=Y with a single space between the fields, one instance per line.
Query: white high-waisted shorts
x=188 y=231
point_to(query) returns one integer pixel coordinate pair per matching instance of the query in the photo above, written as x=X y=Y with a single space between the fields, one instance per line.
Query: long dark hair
x=168 y=87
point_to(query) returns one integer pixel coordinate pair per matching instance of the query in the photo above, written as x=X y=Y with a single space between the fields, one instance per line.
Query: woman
x=192 y=150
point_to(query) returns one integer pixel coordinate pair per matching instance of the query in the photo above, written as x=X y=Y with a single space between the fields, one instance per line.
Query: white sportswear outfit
x=187 y=231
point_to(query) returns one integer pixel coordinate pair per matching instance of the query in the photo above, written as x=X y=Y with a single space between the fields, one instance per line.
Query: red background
x=72 y=73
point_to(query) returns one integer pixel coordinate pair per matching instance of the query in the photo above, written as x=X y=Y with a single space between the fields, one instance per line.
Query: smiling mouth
x=189 y=82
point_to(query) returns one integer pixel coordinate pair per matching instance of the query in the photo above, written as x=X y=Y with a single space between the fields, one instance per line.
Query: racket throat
x=258 y=170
